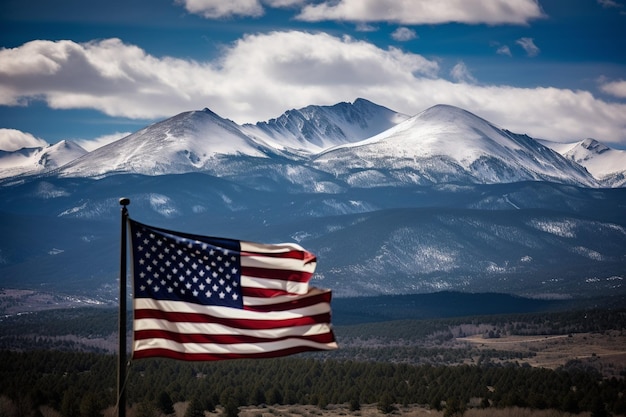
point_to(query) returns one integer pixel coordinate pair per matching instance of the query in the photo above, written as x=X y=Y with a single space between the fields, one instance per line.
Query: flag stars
x=178 y=269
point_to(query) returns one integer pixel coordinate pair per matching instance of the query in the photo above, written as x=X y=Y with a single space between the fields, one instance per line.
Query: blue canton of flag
x=177 y=268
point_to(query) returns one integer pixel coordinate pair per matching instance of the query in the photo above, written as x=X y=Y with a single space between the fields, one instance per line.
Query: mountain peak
x=190 y=141
x=314 y=128
x=604 y=163
x=37 y=160
x=594 y=146
x=448 y=144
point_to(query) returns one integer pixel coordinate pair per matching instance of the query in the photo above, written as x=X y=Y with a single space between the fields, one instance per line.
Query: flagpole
x=121 y=363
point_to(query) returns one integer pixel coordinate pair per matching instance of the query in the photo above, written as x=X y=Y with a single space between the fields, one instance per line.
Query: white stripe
x=292 y=287
x=289 y=264
x=239 y=348
x=219 y=329
x=269 y=247
x=228 y=312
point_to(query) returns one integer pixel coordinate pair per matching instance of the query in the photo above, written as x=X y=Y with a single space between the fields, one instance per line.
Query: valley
x=456 y=252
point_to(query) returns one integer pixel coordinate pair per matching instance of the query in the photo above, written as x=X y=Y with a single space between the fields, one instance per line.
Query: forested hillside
x=71 y=382
x=65 y=359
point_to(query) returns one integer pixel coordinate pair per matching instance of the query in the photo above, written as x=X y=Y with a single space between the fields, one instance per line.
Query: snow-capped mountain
x=605 y=164
x=203 y=141
x=315 y=128
x=190 y=141
x=447 y=144
x=441 y=200
x=37 y=160
x=325 y=148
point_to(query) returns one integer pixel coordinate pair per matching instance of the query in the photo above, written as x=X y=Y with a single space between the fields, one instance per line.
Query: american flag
x=204 y=298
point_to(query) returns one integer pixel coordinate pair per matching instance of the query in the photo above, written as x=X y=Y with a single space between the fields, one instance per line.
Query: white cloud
x=92 y=144
x=283 y=3
x=504 y=50
x=425 y=11
x=615 y=88
x=461 y=73
x=212 y=9
x=106 y=75
x=528 y=44
x=261 y=76
x=403 y=34
x=609 y=4
x=218 y=9
x=365 y=27
x=13 y=140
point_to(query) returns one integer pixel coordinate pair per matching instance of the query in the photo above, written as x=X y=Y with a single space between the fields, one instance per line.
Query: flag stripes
x=204 y=298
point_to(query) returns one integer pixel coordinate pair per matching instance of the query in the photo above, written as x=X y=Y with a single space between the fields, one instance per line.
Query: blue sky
x=93 y=71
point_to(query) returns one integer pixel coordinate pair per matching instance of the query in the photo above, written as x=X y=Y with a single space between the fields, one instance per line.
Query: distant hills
x=391 y=204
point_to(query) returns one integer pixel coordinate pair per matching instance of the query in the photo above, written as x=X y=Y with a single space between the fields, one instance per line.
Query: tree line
x=83 y=384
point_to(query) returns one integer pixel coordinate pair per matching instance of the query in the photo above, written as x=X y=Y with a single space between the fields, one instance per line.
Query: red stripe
x=175 y=317
x=280 y=274
x=166 y=353
x=292 y=254
x=224 y=338
x=261 y=293
x=291 y=305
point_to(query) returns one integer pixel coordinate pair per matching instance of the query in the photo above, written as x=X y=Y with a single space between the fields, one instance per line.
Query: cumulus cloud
x=13 y=140
x=261 y=76
x=403 y=34
x=528 y=44
x=411 y=12
x=615 y=88
x=212 y=9
x=217 y=9
x=257 y=72
x=461 y=73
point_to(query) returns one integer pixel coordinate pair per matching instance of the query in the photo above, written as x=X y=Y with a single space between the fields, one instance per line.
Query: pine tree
x=165 y=403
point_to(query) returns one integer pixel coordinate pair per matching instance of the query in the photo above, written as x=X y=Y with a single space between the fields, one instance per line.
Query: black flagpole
x=121 y=363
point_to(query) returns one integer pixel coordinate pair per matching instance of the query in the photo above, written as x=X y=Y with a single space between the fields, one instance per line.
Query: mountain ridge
x=204 y=141
x=448 y=144
x=443 y=200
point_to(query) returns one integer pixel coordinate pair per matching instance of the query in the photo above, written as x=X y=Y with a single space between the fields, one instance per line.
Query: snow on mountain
x=315 y=128
x=38 y=160
x=605 y=164
x=448 y=144
x=324 y=148
x=190 y=141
